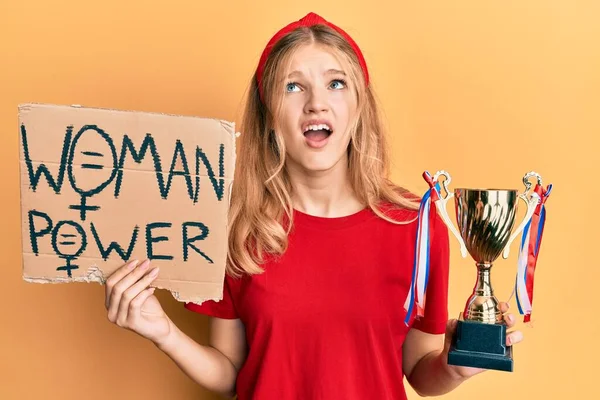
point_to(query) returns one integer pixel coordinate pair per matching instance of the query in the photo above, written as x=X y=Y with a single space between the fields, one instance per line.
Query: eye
x=338 y=84
x=291 y=87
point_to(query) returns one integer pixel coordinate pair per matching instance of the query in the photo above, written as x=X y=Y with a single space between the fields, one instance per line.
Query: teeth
x=317 y=127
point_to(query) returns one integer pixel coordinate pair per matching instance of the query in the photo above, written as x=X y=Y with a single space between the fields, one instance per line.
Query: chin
x=319 y=166
x=316 y=162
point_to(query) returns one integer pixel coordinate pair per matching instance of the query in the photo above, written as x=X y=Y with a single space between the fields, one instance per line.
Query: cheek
x=288 y=128
x=290 y=115
x=344 y=106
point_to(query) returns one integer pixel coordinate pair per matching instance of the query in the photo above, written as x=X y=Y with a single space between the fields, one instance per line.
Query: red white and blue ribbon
x=528 y=253
x=420 y=274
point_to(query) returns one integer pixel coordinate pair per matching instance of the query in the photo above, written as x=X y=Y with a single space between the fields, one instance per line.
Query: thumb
x=450 y=330
x=135 y=307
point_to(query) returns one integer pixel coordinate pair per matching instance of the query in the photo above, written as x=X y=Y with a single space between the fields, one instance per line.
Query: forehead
x=314 y=57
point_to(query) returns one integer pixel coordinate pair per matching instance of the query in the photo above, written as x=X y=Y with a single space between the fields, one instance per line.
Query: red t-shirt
x=326 y=320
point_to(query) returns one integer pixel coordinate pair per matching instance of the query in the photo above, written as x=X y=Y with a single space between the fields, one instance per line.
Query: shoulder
x=410 y=215
x=403 y=212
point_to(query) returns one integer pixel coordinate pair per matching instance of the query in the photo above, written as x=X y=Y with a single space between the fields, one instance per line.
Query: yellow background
x=486 y=90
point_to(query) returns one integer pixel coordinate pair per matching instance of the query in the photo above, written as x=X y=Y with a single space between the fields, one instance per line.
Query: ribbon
x=420 y=274
x=529 y=251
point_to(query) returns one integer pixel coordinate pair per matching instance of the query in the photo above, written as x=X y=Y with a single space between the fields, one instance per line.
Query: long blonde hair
x=261 y=193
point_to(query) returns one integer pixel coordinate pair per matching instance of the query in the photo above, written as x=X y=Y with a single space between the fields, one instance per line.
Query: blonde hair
x=261 y=193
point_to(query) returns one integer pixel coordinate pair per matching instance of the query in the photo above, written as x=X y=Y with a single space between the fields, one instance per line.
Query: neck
x=325 y=193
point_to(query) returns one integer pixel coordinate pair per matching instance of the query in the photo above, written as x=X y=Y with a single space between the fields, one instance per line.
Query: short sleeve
x=224 y=308
x=436 y=301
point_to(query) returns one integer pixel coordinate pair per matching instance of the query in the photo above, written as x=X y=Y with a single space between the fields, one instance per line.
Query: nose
x=316 y=101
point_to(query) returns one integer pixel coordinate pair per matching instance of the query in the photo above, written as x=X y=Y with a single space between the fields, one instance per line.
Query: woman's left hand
x=512 y=338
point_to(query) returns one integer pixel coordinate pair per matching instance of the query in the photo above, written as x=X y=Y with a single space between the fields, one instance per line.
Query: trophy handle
x=532 y=201
x=441 y=206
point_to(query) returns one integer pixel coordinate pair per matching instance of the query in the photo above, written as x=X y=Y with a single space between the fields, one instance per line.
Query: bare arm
x=131 y=304
x=215 y=366
x=424 y=366
x=425 y=359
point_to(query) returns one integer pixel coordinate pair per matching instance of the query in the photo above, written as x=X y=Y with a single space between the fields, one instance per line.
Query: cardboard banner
x=100 y=187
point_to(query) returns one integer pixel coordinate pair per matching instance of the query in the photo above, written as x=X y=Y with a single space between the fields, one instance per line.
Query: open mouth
x=317 y=133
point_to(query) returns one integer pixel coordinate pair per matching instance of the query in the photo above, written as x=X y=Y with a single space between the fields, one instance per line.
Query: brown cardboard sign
x=100 y=187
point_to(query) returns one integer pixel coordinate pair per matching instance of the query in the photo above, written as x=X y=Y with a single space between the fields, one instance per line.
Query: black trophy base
x=480 y=345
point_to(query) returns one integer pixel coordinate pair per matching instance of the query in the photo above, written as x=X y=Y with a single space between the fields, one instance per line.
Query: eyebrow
x=331 y=71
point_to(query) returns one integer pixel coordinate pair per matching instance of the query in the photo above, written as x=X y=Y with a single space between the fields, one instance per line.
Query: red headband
x=310 y=19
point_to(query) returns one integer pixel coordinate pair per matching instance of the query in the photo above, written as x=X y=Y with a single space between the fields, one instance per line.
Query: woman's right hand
x=131 y=303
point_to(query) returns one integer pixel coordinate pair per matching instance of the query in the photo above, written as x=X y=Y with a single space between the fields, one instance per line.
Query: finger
x=120 y=287
x=132 y=293
x=510 y=320
x=115 y=278
x=450 y=329
x=135 y=307
x=504 y=307
x=514 y=338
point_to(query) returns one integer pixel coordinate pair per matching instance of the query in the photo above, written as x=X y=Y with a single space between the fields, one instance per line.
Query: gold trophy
x=486 y=218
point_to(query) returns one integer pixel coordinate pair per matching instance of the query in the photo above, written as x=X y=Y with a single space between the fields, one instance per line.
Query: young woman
x=321 y=247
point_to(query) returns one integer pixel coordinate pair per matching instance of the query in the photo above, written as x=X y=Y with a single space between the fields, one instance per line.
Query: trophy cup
x=486 y=218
